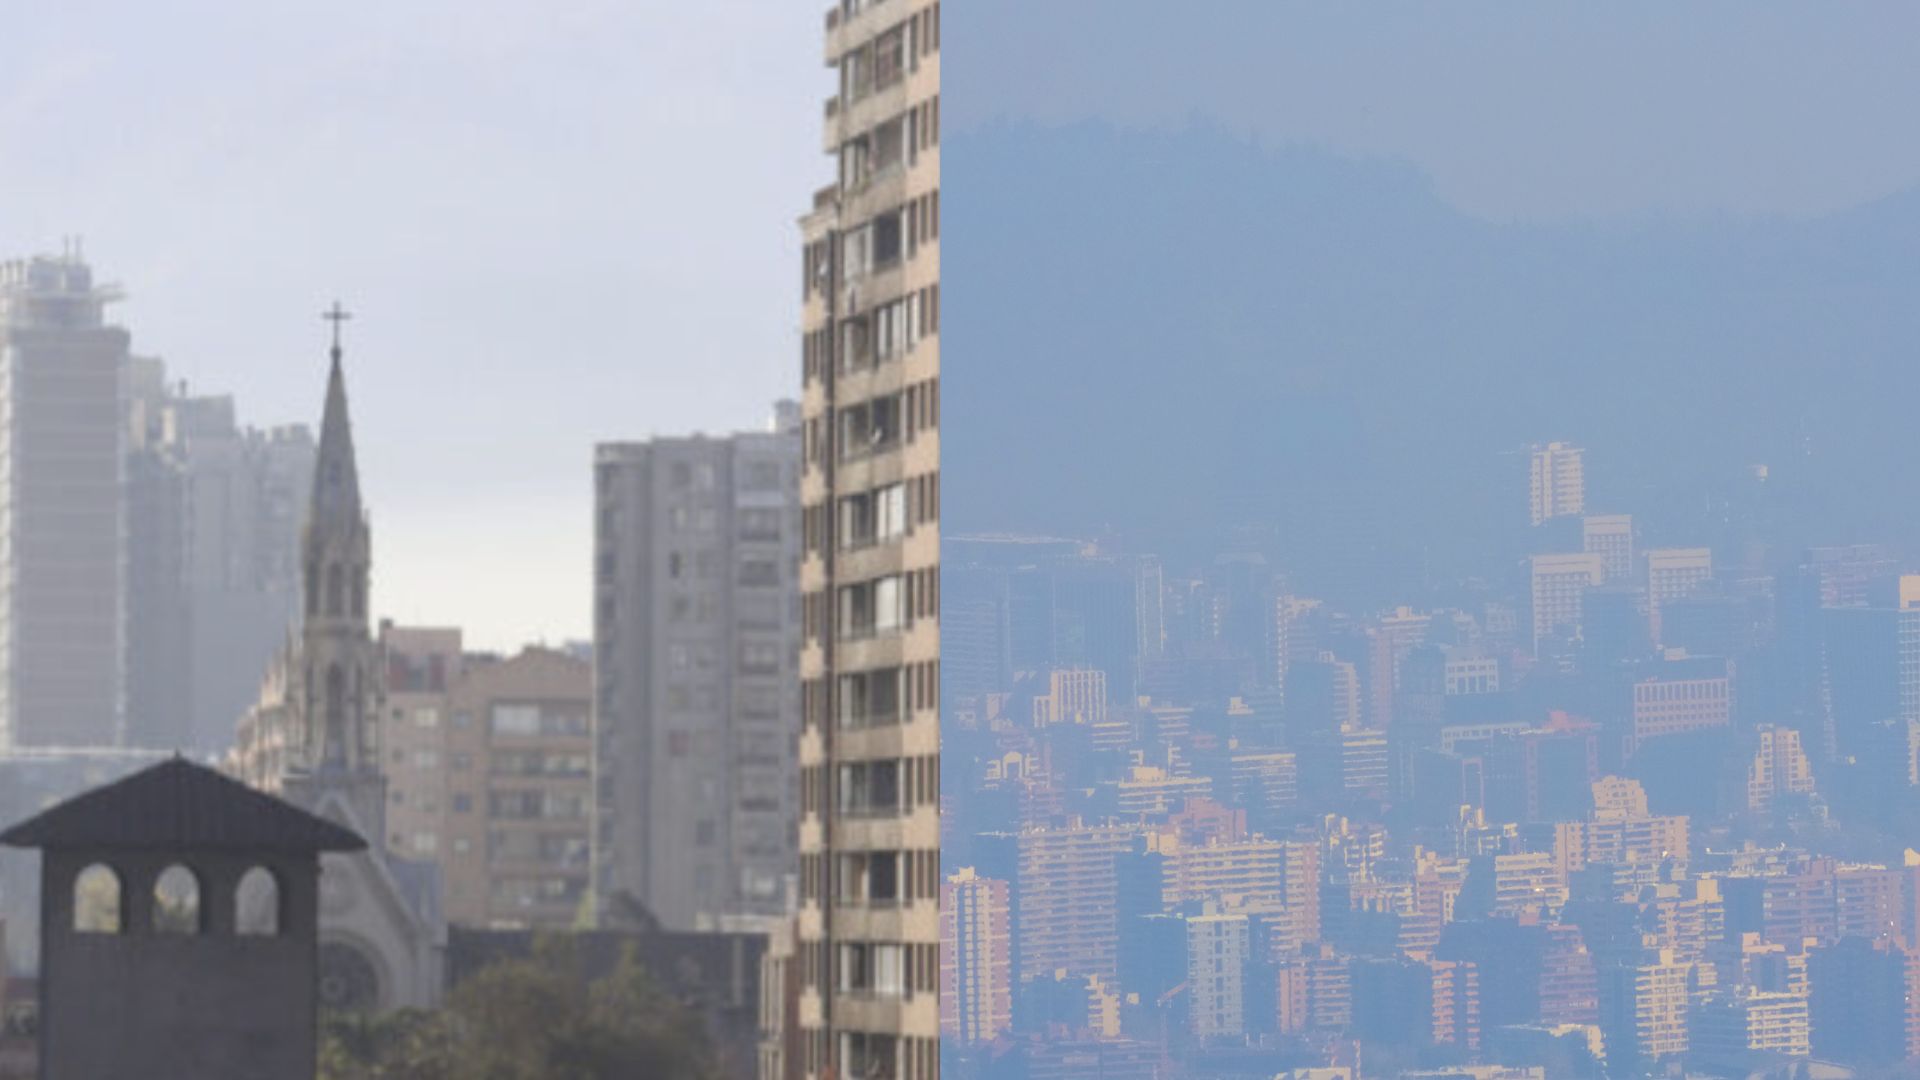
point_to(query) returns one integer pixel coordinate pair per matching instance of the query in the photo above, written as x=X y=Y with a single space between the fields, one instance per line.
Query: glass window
x=890 y=512
x=516 y=720
x=888 y=604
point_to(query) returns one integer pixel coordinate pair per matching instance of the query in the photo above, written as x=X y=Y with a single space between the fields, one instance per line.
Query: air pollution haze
x=502 y=196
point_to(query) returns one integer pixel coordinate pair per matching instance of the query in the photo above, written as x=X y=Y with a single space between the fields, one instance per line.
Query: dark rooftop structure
x=178 y=804
x=179 y=928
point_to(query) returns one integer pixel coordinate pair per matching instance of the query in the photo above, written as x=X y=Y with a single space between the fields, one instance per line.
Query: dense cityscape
x=1633 y=809
x=1389 y=620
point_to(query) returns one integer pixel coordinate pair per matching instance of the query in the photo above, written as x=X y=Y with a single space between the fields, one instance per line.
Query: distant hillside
x=1169 y=332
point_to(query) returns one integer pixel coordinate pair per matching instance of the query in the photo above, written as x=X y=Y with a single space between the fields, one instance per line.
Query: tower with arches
x=179 y=928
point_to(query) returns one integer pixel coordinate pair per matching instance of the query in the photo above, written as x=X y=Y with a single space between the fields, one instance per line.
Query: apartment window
x=868 y=1054
x=761 y=476
x=890 y=512
x=759 y=658
x=761 y=524
x=870 y=698
x=870 y=427
x=886 y=240
x=872 y=607
x=856 y=521
x=856 y=248
x=889 y=145
x=872 y=969
x=759 y=572
x=516 y=720
x=890 y=57
x=869 y=788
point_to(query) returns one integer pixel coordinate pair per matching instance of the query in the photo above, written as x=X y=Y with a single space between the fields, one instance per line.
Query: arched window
x=360 y=593
x=336 y=591
x=176 y=901
x=335 y=716
x=313 y=588
x=256 y=904
x=96 y=901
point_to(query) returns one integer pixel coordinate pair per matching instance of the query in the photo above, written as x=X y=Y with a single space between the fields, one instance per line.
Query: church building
x=313 y=738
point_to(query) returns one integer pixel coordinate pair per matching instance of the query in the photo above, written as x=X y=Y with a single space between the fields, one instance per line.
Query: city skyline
x=467 y=164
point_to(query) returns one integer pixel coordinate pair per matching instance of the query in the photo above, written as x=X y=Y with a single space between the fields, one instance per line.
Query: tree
x=535 y=1018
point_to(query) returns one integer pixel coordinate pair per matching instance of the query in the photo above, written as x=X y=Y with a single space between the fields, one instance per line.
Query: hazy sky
x=1538 y=110
x=557 y=222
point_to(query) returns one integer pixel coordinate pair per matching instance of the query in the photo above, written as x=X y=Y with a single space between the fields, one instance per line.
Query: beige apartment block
x=1558 y=481
x=489 y=767
x=1610 y=536
x=1674 y=574
x=868 y=926
x=1560 y=584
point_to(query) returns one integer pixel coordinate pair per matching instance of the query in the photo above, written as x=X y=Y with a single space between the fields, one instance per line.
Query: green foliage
x=529 y=1019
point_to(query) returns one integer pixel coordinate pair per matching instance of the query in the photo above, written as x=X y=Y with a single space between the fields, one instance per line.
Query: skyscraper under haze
x=1558 y=481
x=63 y=374
x=869 y=661
x=696 y=634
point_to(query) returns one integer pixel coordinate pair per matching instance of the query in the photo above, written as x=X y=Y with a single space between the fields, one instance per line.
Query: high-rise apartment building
x=1610 y=536
x=976 y=958
x=1678 y=695
x=213 y=516
x=1217 y=953
x=1559 y=587
x=1674 y=574
x=63 y=373
x=1872 y=663
x=1558 y=481
x=870 y=489
x=697 y=633
x=1643 y=1009
x=1067 y=911
x=1778 y=767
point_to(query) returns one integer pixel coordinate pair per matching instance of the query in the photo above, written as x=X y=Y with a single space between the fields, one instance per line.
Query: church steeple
x=335 y=503
x=340 y=676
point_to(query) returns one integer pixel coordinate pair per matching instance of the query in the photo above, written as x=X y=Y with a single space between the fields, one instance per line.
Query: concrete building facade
x=1557 y=481
x=976 y=958
x=696 y=701
x=63 y=384
x=870 y=572
x=1559 y=587
x=214 y=511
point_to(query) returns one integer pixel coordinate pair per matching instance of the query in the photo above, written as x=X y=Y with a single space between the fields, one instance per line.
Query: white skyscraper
x=1558 y=481
x=63 y=556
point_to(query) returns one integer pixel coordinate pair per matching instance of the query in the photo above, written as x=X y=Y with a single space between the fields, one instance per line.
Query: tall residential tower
x=868 y=928
x=63 y=378
x=696 y=640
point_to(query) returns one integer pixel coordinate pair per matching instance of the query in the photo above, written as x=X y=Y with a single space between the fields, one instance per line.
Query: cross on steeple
x=336 y=315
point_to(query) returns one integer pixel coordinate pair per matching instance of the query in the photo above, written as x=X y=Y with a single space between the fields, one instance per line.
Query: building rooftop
x=178 y=805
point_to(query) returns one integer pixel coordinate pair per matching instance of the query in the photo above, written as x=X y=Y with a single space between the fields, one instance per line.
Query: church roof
x=178 y=805
x=336 y=479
